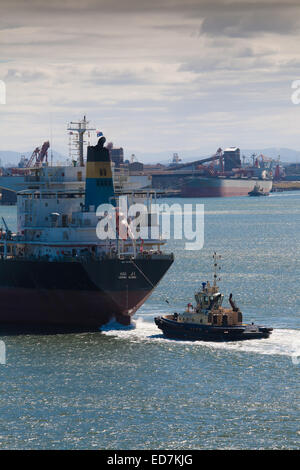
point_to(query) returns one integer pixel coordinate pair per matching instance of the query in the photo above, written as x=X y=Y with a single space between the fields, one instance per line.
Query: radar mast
x=77 y=129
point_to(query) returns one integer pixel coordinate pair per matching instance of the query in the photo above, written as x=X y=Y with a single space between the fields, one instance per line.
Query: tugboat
x=208 y=320
x=257 y=191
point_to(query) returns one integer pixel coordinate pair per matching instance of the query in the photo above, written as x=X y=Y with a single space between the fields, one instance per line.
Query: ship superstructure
x=55 y=271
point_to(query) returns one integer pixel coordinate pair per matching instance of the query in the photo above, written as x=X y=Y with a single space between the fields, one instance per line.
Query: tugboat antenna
x=216 y=257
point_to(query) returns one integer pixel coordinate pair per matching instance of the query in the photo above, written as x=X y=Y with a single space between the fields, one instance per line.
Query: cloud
x=246 y=20
x=24 y=76
x=161 y=74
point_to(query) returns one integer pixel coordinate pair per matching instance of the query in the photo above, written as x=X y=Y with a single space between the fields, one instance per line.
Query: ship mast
x=216 y=268
x=77 y=129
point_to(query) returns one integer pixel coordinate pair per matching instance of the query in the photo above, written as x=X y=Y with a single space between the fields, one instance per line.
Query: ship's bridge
x=35 y=207
x=208 y=300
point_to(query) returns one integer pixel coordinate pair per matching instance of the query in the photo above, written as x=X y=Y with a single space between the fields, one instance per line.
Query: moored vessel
x=221 y=175
x=219 y=186
x=208 y=320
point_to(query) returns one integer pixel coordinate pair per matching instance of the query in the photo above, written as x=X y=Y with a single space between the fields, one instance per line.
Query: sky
x=159 y=75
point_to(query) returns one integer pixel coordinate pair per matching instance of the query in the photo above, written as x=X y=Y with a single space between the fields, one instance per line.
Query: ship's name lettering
x=124 y=275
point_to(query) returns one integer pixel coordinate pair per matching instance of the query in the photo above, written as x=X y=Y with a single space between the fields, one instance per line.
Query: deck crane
x=43 y=153
x=33 y=156
x=39 y=154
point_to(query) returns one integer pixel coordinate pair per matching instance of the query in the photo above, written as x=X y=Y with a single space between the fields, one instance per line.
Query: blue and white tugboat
x=208 y=320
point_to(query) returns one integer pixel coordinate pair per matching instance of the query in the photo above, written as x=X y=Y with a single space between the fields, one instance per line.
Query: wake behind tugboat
x=209 y=321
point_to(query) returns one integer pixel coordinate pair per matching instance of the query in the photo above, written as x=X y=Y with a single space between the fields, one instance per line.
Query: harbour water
x=129 y=388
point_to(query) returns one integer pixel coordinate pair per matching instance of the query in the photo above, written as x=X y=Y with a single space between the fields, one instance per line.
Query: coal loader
x=56 y=273
x=221 y=175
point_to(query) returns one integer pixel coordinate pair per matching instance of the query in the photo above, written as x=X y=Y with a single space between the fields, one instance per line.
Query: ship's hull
x=75 y=294
x=222 y=187
x=197 y=332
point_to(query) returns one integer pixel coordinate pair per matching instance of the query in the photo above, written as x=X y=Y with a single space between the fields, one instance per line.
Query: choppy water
x=128 y=388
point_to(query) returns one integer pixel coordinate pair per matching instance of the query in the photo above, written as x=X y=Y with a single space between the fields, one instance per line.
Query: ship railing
x=86 y=258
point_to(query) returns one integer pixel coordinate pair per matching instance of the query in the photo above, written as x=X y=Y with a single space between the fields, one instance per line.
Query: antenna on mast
x=51 y=140
x=77 y=129
x=216 y=268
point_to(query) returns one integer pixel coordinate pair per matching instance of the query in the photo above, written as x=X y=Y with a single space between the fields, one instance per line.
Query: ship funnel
x=99 y=187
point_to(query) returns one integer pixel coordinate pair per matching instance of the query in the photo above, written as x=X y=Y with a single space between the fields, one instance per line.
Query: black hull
x=83 y=295
x=192 y=332
x=251 y=194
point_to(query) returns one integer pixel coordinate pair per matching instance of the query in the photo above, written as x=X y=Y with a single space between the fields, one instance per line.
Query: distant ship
x=55 y=272
x=219 y=186
x=230 y=178
x=220 y=175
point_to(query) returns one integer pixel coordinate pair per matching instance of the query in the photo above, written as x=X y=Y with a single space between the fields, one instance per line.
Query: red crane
x=39 y=154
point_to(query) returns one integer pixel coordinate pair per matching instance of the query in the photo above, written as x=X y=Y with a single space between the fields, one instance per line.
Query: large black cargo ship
x=85 y=293
x=55 y=272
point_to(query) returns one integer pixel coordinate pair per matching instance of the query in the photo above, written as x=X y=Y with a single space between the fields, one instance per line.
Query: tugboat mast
x=216 y=267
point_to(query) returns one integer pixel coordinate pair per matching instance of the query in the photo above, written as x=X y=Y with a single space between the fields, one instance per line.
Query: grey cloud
x=243 y=19
x=24 y=76
x=98 y=74
x=115 y=77
x=227 y=64
x=248 y=52
x=6 y=27
x=121 y=79
x=231 y=18
x=131 y=6
x=240 y=26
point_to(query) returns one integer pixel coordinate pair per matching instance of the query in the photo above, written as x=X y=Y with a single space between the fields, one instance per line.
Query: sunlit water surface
x=129 y=388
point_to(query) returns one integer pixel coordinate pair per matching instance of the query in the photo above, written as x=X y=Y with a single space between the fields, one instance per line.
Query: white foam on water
x=285 y=194
x=283 y=342
x=138 y=330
